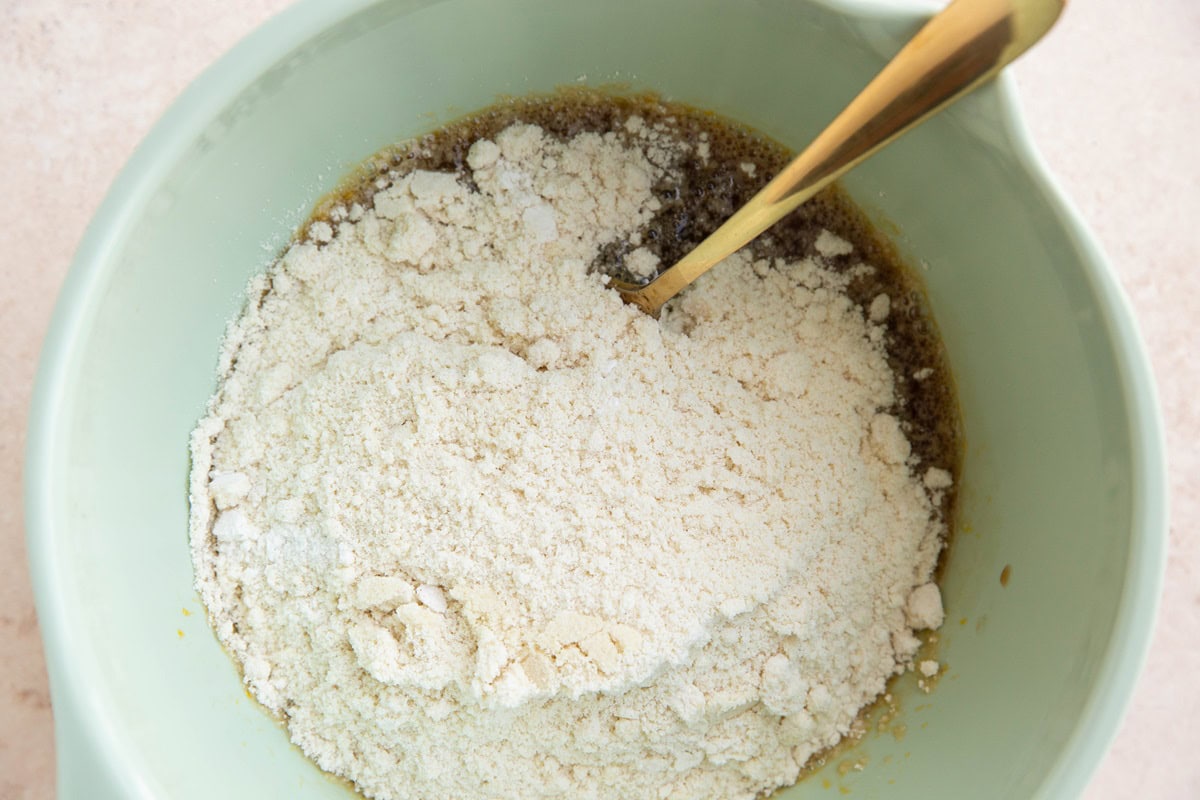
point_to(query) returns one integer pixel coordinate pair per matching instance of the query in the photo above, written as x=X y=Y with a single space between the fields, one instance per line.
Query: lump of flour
x=476 y=529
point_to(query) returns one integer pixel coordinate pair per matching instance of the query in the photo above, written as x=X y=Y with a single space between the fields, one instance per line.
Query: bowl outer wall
x=94 y=753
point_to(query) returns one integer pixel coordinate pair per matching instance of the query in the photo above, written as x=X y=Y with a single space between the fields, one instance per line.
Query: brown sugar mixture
x=474 y=528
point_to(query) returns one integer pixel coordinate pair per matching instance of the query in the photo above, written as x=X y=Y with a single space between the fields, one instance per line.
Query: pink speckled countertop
x=1113 y=101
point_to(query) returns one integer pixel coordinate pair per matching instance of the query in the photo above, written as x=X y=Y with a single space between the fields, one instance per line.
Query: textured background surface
x=1112 y=99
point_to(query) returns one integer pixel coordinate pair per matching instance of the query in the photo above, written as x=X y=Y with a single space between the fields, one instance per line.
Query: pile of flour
x=476 y=529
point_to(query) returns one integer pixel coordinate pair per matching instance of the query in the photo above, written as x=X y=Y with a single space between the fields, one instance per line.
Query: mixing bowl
x=1063 y=485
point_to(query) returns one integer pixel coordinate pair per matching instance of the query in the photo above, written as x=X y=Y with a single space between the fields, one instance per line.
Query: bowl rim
x=93 y=740
x=1141 y=592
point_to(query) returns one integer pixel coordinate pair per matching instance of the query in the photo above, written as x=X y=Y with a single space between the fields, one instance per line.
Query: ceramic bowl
x=1063 y=480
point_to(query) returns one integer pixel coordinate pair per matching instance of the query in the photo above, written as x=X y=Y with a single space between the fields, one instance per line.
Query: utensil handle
x=961 y=47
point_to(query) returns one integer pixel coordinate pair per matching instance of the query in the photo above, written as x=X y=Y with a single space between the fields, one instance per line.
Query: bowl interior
x=1060 y=469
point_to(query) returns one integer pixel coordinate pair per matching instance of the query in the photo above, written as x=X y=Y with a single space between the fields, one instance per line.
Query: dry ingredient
x=476 y=529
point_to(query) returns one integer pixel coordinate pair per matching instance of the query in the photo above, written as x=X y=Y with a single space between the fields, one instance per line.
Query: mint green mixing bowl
x=1064 y=476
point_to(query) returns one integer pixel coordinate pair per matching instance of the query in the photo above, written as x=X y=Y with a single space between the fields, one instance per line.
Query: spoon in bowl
x=960 y=48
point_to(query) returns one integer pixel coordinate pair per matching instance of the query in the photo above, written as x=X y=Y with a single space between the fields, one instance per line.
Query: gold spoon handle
x=958 y=49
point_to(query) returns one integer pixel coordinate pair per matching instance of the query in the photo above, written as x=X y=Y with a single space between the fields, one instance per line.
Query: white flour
x=479 y=530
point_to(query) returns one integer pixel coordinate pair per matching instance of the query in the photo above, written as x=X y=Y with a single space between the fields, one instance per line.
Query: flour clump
x=476 y=529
